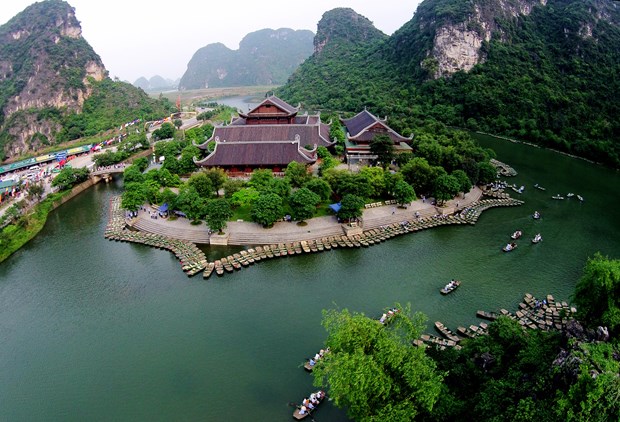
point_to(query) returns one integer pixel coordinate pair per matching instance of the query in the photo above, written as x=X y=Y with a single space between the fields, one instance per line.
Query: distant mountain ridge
x=53 y=86
x=156 y=83
x=544 y=71
x=264 y=57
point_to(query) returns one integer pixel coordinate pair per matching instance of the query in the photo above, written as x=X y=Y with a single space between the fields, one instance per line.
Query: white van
x=35 y=167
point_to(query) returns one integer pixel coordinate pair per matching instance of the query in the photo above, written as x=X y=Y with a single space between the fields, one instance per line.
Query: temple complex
x=361 y=130
x=271 y=135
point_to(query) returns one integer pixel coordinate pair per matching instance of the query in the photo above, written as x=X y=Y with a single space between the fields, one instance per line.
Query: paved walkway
x=249 y=233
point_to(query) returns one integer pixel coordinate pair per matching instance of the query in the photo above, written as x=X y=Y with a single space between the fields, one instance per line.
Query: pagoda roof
x=256 y=154
x=358 y=126
x=285 y=108
x=306 y=134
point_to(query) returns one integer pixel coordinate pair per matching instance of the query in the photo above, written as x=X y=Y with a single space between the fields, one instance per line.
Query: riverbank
x=320 y=234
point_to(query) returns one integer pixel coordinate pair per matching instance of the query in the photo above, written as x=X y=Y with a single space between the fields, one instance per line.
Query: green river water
x=97 y=330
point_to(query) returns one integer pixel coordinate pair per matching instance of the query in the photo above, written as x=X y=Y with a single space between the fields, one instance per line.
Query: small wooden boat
x=450 y=287
x=491 y=316
x=580 y=197
x=387 y=316
x=209 y=270
x=510 y=247
x=536 y=215
x=308 y=366
x=570 y=195
x=537 y=186
x=537 y=238
x=320 y=395
x=445 y=331
x=516 y=234
x=558 y=196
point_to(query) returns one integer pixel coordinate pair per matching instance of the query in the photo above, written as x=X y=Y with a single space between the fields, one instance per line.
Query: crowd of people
x=309 y=403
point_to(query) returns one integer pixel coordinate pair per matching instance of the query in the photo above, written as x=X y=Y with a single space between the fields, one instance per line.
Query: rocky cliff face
x=45 y=64
x=457 y=46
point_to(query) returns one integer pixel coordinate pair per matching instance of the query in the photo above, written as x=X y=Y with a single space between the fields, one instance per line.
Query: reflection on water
x=100 y=330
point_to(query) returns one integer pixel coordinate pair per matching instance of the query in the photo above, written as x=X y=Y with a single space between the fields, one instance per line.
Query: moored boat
x=450 y=287
x=445 y=331
x=491 y=316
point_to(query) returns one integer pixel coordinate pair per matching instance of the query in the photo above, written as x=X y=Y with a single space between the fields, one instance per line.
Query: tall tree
x=297 y=174
x=373 y=370
x=446 y=187
x=267 y=209
x=218 y=213
x=383 y=147
x=303 y=204
x=218 y=177
x=351 y=207
x=597 y=294
x=202 y=184
x=403 y=192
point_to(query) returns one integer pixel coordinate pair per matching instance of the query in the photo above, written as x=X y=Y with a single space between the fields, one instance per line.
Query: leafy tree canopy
x=303 y=204
x=267 y=209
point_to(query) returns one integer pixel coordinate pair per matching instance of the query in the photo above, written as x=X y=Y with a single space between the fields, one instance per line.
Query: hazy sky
x=144 y=38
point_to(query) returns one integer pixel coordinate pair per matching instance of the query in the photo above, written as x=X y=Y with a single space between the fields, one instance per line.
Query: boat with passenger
x=558 y=196
x=570 y=194
x=450 y=287
x=537 y=186
x=536 y=215
x=580 y=197
x=387 y=316
x=308 y=405
x=516 y=234
x=309 y=365
x=510 y=247
x=537 y=238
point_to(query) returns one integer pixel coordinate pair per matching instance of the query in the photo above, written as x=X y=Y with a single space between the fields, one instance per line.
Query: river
x=99 y=330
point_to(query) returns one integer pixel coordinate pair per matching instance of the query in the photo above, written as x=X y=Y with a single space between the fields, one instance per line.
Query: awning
x=335 y=207
x=164 y=208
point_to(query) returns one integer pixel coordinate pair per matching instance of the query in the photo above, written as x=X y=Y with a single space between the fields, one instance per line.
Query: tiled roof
x=256 y=154
x=283 y=105
x=308 y=134
x=357 y=127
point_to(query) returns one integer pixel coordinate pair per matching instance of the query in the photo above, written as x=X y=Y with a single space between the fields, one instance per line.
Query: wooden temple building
x=361 y=130
x=271 y=135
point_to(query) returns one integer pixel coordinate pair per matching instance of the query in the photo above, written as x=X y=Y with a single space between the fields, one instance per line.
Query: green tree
x=303 y=204
x=486 y=173
x=297 y=174
x=141 y=163
x=166 y=131
x=463 y=180
x=218 y=213
x=218 y=177
x=201 y=182
x=597 y=294
x=373 y=370
x=133 y=174
x=351 y=207
x=186 y=163
x=280 y=187
x=178 y=123
x=261 y=179
x=267 y=209
x=383 y=147
x=69 y=177
x=244 y=197
x=403 y=192
x=320 y=187
x=133 y=196
x=231 y=186
x=446 y=187
x=36 y=190
x=191 y=203
x=376 y=178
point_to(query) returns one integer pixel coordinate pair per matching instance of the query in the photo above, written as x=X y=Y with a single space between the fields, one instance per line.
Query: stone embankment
x=194 y=260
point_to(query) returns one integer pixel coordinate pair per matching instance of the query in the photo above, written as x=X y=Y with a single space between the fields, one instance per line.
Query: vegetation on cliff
x=548 y=77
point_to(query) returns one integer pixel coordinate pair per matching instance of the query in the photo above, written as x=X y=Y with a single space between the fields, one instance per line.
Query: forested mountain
x=53 y=86
x=265 y=57
x=545 y=71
